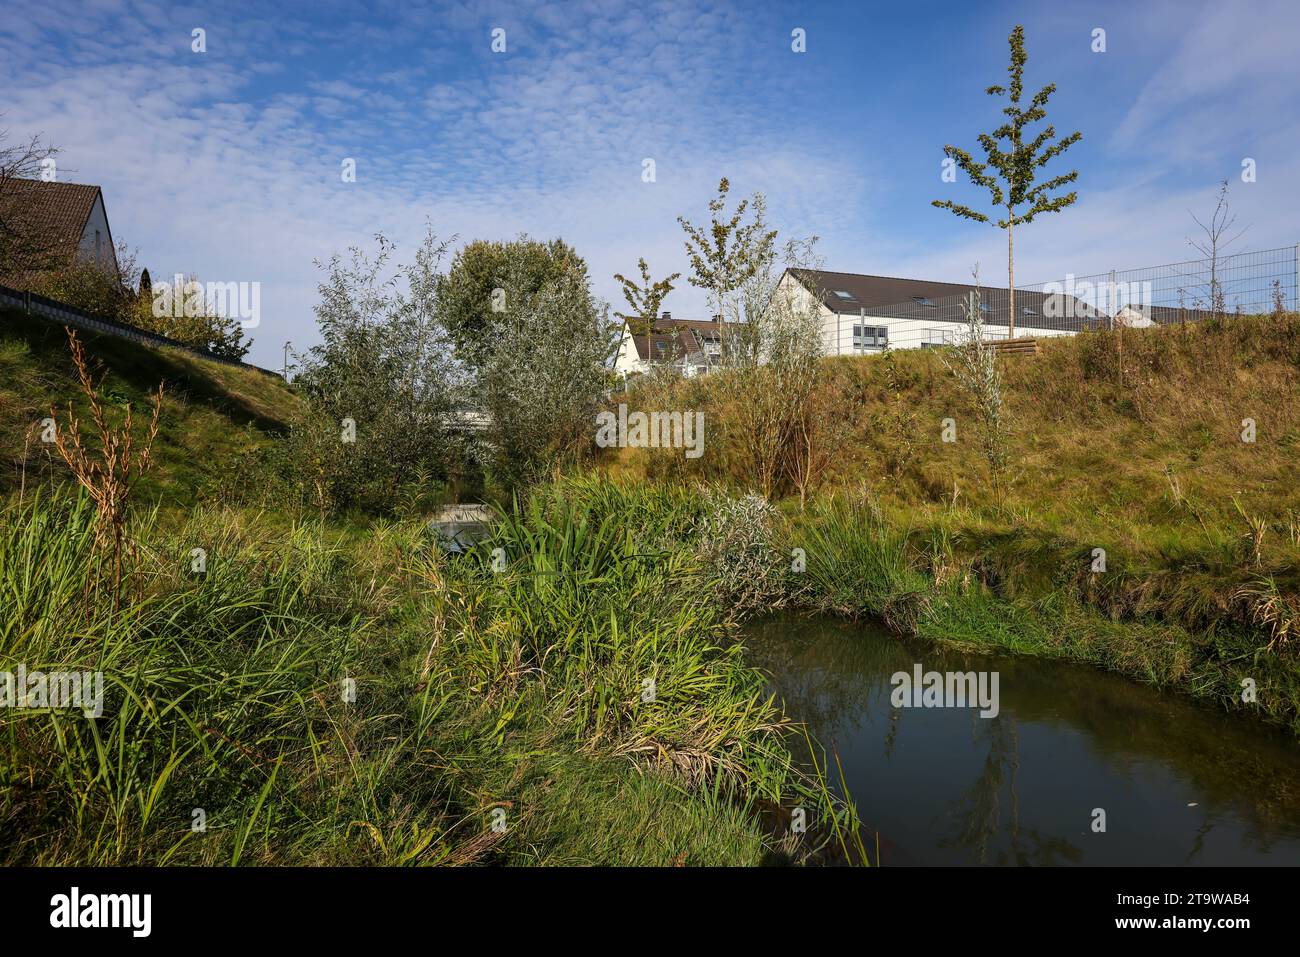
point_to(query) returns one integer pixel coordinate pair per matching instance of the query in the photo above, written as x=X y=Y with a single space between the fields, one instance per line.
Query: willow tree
x=1009 y=173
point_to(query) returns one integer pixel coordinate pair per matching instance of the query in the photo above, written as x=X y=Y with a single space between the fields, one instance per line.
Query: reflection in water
x=1180 y=783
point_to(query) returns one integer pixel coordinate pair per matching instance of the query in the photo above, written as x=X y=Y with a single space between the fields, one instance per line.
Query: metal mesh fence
x=1246 y=283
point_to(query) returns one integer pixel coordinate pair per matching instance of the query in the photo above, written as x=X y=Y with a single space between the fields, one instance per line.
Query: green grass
x=476 y=689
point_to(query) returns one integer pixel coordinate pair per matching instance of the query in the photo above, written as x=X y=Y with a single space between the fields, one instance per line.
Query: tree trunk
x=1011 y=277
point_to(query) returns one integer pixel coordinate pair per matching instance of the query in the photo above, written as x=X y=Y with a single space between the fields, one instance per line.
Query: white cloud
x=227 y=164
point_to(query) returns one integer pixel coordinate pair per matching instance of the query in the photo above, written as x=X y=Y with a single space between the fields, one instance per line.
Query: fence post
x=1110 y=299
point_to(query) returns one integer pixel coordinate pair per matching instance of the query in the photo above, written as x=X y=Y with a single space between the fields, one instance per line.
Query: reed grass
x=523 y=689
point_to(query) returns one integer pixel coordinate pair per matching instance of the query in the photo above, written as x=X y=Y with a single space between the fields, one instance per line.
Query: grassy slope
x=1201 y=530
x=211 y=411
x=1088 y=454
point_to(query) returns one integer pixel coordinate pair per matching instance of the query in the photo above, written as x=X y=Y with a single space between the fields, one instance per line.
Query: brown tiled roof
x=42 y=224
x=56 y=212
x=680 y=338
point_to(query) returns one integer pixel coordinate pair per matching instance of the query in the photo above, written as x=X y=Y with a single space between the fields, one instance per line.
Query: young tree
x=383 y=385
x=1212 y=246
x=643 y=301
x=973 y=364
x=1011 y=184
x=726 y=254
x=770 y=373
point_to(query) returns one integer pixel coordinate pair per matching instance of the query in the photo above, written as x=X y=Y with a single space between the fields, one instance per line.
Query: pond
x=1178 y=781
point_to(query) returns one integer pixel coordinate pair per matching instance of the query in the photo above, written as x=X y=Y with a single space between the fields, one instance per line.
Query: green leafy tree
x=185 y=315
x=383 y=386
x=1009 y=174
x=729 y=251
x=472 y=297
x=645 y=300
x=544 y=375
x=84 y=284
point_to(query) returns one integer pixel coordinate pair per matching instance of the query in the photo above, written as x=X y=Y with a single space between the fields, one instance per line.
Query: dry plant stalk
x=108 y=473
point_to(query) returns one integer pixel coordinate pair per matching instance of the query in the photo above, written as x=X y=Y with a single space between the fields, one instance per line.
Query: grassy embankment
x=212 y=413
x=1129 y=444
x=590 y=690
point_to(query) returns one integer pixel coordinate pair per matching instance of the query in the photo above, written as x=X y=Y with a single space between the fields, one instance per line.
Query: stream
x=1178 y=781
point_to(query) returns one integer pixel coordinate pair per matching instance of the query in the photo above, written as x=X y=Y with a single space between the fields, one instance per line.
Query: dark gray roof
x=938 y=301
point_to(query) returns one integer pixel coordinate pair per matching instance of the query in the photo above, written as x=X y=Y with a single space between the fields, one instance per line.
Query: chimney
x=668 y=316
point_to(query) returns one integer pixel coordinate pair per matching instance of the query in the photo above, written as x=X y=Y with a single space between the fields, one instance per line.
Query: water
x=1179 y=781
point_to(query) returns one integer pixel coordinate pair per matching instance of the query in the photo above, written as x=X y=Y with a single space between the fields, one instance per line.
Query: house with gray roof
x=863 y=313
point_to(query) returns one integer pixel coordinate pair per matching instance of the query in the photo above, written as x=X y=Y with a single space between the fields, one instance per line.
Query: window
x=1027 y=312
x=846 y=295
x=870 y=337
x=923 y=301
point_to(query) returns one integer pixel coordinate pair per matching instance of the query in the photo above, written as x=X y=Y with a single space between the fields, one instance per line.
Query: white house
x=52 y=221
x=690 y=346
x=863 y=314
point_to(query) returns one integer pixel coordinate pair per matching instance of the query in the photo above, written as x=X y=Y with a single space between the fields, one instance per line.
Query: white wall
x=101 y=252
x=626 y=360
x=837 y=332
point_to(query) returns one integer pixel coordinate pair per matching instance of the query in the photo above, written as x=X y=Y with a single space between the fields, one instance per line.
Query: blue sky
x=227 y=163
